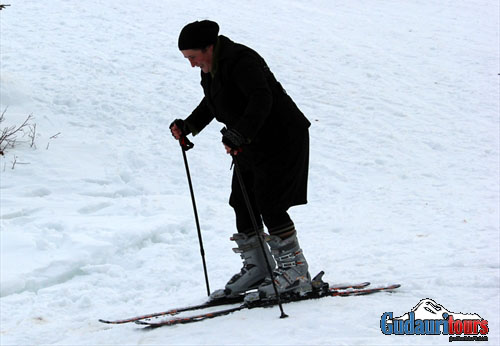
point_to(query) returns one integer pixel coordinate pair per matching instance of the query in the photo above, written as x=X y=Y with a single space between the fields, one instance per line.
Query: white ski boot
x=291 y=276
x=254 y=269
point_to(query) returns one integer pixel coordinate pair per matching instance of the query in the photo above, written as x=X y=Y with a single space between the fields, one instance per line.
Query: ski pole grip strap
x=185 y=143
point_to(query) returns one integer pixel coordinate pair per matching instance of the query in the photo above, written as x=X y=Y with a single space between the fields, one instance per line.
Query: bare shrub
x=10 y=134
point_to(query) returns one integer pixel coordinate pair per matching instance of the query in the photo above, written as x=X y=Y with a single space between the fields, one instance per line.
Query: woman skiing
x=270 y=137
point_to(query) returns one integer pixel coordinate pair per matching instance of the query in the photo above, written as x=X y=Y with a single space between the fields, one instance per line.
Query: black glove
x=183 y=140
x=181 y=125
x=233 y=139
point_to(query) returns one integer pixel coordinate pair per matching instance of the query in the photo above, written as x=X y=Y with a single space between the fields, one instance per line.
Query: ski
x=315 y=294
x=190 y=319
x=361 y=292
x=175 y=311
x=219 y=302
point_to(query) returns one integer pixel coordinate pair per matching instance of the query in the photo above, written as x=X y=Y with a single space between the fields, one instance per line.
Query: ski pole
x=256 y=228
x=186 y=144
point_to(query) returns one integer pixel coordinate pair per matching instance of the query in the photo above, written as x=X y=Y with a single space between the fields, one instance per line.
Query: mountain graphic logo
x=431 y=318
x=428 y=309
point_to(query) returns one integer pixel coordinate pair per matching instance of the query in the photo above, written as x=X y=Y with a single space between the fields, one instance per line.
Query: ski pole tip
x=283 y=315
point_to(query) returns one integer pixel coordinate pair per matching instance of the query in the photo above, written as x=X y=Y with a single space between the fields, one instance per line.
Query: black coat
x=244 y=95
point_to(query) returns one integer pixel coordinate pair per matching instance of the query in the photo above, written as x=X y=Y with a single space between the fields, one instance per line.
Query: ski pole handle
x=185 y=143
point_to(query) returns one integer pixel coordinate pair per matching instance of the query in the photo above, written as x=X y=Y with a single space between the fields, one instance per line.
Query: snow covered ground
x=96 y=222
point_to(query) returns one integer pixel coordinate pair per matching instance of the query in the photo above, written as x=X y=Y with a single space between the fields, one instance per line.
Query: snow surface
x=96 y=222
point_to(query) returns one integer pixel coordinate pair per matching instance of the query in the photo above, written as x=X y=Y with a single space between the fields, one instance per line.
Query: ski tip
x=346 y=286
x=114 y=322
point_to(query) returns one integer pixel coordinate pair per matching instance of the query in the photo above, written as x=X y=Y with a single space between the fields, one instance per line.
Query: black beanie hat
x=198 y=35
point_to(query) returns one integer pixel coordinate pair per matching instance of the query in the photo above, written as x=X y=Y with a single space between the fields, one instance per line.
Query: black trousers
x=277 y=221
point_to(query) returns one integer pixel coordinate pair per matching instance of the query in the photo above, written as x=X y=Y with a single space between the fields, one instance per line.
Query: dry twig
x=8 y=136
x=32 y=135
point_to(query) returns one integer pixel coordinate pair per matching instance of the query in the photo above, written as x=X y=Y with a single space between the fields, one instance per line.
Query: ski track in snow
x=96 y=222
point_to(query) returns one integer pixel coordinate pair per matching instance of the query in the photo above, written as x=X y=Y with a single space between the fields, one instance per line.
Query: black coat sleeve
x=199 y=118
